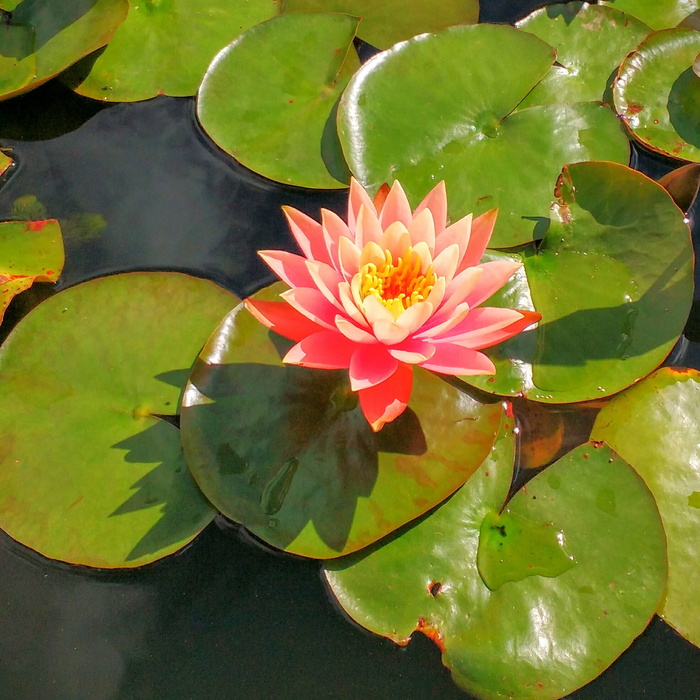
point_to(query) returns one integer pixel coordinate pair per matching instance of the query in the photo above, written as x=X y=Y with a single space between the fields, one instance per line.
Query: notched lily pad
x=164 y=48
x=269 y=99
x=287 y=452
x=30 y=251
x=548 y=624
x=657 y=93
x=384 y=23
x=655 y=425
x=44 y=37
x=88 y=472
x=613 y=280
x=467 y=81
x=591 y=41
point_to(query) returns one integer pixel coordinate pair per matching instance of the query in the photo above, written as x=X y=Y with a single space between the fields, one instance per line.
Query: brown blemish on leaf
x=431 y=632
x=408 y=466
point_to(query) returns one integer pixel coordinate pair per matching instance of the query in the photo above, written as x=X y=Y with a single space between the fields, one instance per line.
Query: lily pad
x=279 y=120
x=287 y=452
x=164 y=48
x=88 y=473
x=658 y=14
x=582 y=556
x=384 y=23
x=682 y=184
x=44 y=37
x=655 y=426
x=657 y=94
x=5 y=162
x=467 y=81
x=30 y=251
x=591 y=41
x=613 y=280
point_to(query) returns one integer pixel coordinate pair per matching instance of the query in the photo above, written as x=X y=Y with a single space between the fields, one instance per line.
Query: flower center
x=397 y=286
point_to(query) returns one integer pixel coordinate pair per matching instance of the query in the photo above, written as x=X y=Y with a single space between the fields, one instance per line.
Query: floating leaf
x=655 y=426
x=682 y=184
x=5 y=162
x=591 y=41
x=552 y=622
x=467 y=81
x=30 y=251
x=88 y=473
x=286 y=450
x=279 y=120
x=613 y=280
x=657 y=94
x=658 y=14
x=384 y=23
x=44 y=37
x=164 y=48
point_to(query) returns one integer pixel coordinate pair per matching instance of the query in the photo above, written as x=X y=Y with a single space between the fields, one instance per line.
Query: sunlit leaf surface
x=465 y=83
x=655 y=426
x=88 y=473
x=658 y=14
x=286 y=450
x=583 y=566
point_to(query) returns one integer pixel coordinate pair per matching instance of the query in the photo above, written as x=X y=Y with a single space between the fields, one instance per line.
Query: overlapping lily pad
x=88 y=473
x=164 y=48
x=384 y=23
x=655 y=426
x=44 y=37
x=569 y=596
x=658 y=14
x=591 y=41
x=287 y=451
x=30 y=251
x=269 y=99
x=466 y=82
x=5 y=162
x=658 y=94
x=613 y=280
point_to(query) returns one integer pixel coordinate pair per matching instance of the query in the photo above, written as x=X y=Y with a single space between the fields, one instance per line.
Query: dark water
x=138 y=187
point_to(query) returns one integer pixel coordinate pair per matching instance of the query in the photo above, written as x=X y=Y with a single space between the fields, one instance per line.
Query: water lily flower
x=390 y=289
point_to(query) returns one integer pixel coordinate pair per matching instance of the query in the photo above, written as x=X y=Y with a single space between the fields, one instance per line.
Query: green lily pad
x=30 y=251
x=9 y=5
x=655 y=426
x=270 y=98
x=658 y=14
x=88 y=473
x=466 y=82
x=5 y=162
x=287 y=452
x=44 y=37
x=657 y=94
x=164 y=48
x=613 y=280
x=591 y=41
x=580 y=580
x=384 y=23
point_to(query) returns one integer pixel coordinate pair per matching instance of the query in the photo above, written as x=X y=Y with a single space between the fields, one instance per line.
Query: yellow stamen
x=397 y=286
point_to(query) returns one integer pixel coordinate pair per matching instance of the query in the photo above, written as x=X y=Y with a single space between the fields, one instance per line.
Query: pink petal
x=375 y=311
x=307 y=233
x=348 y=258
x=445 y=264
x=436 y=201
x=437 y=330
x=358 y=198
x=460 y=287
x=396 y=207
x=327 y=280
x=288 y=267
x=281 y=318
x=324 y=350
x=312 y=304
x=385 y=402
x=437 y=293
x=412 y=351
x=415 y=316
x=368 y=228
x=372 y=253
x=482 y=228
x=485 y=337
x=349 y=304
x=353 y=332
x=459 y=233
x=422 y=228
x=495 y=274
x=334 y=228
x=396 y=240
x=452 y=358
x=370 y=365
